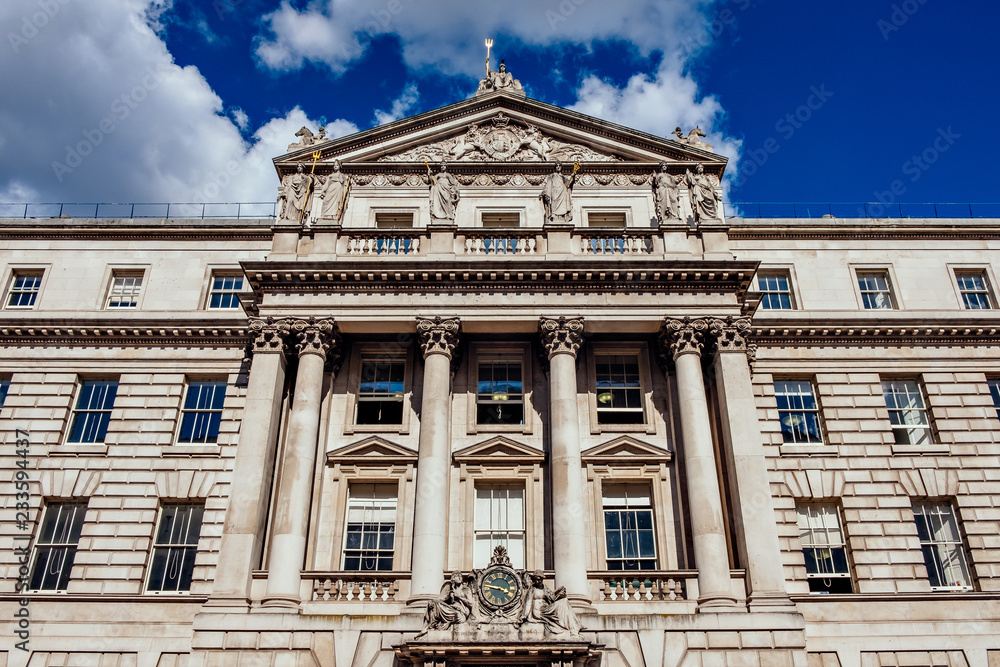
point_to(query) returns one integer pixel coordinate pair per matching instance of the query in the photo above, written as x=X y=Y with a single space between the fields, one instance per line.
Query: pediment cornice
x=499 y=450
x=624 y=450
x=372 y=450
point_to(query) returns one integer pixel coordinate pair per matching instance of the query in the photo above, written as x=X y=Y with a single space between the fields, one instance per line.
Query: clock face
x=499 y=587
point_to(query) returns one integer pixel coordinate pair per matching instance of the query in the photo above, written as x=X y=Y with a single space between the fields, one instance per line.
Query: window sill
x=377 y=428
x=499 y=428
x=191 y=450
x=81 y=449
x=921 y=449
x=623 y=428
x=820 y=449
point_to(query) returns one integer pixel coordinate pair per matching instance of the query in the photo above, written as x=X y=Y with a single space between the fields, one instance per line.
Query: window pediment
x=372 y=450
x=499 y=450
x=625 y=450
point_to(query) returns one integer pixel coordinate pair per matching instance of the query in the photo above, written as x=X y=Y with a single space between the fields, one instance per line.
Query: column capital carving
x=267 y=335
x=683 y=336
x=314 y=336
x=561 y=335
x=438 y=335
x=731 y=334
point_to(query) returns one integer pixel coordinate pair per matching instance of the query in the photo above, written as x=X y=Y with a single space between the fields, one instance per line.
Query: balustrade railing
x=631 y=242
x=370 y=244
x=357 y=587
x=501 y=242
x=642 y=585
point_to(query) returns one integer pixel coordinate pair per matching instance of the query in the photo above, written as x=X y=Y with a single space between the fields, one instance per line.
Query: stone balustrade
x=614 y=242
x=644 y=585
x=501 y=242
x=357 y=587
x=383 y=242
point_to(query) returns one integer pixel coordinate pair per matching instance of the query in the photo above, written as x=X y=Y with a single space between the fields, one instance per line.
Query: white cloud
x=102 y=113
x=336 y=33
x=240 y=117
x=400 y=105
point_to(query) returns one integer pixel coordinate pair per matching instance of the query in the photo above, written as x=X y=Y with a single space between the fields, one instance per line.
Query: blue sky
x=176 y=100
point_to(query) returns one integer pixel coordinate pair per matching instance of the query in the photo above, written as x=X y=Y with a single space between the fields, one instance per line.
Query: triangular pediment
x=626 y=449
x=498 y=129
x=499 y=450
x=372 y=450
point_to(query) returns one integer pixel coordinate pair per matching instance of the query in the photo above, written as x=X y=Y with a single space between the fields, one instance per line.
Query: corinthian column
x=684 y=340
x=242 y=534
x=756 y=528
x=561 y=339
x=315 y=341
x=438 y=338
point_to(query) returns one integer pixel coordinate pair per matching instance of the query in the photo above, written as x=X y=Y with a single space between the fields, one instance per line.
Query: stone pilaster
x=685 y=340
x=315 y=341
x=756 y=532
x=243 y=532
x=561 y=339
x=438 y=338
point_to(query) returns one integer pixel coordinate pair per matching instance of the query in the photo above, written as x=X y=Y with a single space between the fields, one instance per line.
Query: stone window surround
x=958 y=269
x=354 y=381
x=154 y=545
x=587 y=210
x=890 y=274
x=117 y=270
x=530 y=475
x=655 y=476
x=806 y=448
x=789 y=271
x=346 y=475
x=519 y=210
x=213 y=271
x=523 y=349
x=935 y=446
x=13 y=271
x=962 y=544
x=639 y=349
x=374 y=211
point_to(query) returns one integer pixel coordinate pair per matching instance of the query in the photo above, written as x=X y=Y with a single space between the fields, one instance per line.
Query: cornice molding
x=501 y=276
x=133 y=333
x=867 y=335
x=931 y=230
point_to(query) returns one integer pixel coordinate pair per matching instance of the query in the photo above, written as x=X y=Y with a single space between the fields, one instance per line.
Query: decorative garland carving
x=438 y=335
x=501 y=141
x=561 y=335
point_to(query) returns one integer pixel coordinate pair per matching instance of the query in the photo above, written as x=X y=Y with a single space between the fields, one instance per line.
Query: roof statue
x=499 y=80
x=693 y=138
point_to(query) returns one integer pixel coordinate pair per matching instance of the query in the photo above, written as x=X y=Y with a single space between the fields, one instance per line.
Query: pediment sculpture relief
x=503 y=140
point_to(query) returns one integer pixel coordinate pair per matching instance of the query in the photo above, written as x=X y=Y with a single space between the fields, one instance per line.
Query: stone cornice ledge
x=118 y=332
x=898 y=329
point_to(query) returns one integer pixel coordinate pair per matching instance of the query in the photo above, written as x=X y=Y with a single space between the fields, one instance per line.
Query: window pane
x=628 y=527
x=798 y=411
x=499 y=521
x=942 y=546
x=371 y=526
x=56 y=544
x=823 y=548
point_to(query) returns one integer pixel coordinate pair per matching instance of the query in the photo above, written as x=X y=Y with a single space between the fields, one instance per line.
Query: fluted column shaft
x=561 y=339
x=756 y=528
x=711 y=553
x=243 y=531
x=295 y=488
x=438 y=338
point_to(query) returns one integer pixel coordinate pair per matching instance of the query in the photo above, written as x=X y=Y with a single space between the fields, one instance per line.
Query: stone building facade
x=731 y=442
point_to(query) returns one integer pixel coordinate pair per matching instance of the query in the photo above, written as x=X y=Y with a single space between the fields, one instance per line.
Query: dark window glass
x=619 y=390
x=55 y=546
x=380 y=395
x=93 y=411
x=175 y=548
x=202 y=413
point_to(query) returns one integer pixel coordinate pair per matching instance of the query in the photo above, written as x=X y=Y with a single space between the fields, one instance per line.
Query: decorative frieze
x=438 y=335
x=562 y=335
